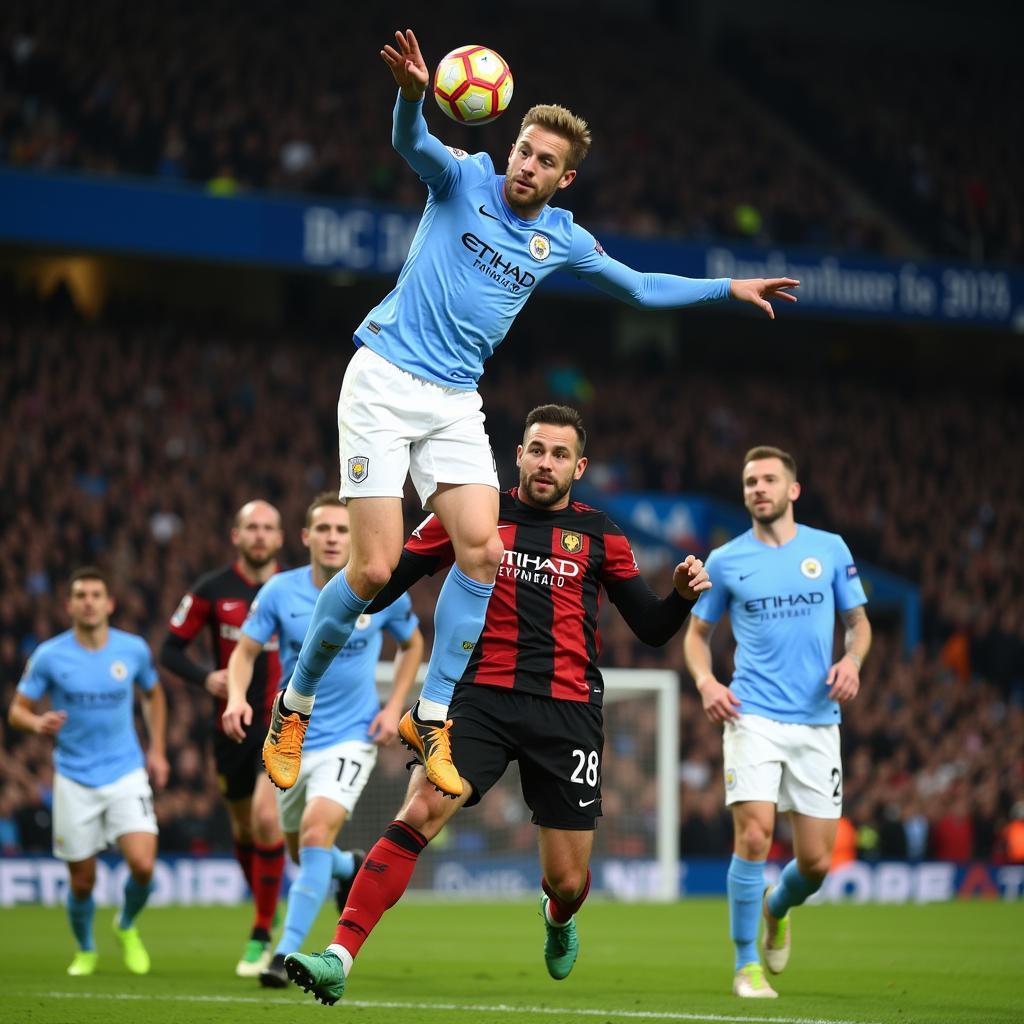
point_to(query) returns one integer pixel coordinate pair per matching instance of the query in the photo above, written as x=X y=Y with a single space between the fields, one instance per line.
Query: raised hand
x=760 y=290
x=690 y=578
x=407 y=65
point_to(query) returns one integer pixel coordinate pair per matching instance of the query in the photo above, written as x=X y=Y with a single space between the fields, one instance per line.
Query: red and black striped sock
x=243 y=854
x=561 y=912
x=381 y=881
x=268 y=870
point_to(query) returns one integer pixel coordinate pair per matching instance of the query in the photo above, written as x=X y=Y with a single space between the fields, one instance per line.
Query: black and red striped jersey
x=219 y=601
x=541 y=633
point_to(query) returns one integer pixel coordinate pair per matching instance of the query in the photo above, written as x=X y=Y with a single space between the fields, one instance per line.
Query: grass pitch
x=473 y=963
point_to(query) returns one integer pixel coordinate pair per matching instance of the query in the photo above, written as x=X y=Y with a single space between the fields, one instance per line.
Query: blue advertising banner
x=136 y=216
x=217 y=881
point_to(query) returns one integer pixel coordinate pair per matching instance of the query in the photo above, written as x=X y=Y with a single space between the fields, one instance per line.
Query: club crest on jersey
x=119 y=670
x=358 y=467
x=540 y=248
x=363 y=622
x=811 y=568
x=571 y=541
x=730 y=778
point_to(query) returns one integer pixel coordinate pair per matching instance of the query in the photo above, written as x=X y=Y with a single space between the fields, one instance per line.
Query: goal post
x=490 y=851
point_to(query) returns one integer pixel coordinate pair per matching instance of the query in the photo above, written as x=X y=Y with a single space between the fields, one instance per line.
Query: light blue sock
x=80 y=914
x=792 y=890
x=745 y=888
x=135 y=896
x=305 y=897
x=336 y=611
x=343 y=864
x=458 y=621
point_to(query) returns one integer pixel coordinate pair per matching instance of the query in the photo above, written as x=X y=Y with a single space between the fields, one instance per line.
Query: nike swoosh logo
x=296 y=615
x=231 y=604
x=506 y=526
x=486 y=214
x=742 y=578
x=587 y=803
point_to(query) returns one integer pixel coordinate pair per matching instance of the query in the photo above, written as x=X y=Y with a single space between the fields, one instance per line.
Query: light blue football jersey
x=98 y=743
x=346 y=700
x=473 y=264
x=782 y=604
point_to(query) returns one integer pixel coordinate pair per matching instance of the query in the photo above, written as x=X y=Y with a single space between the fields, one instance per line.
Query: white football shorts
x=392 y=424
x=794 y=766
x=88 y=819
x=338 y=773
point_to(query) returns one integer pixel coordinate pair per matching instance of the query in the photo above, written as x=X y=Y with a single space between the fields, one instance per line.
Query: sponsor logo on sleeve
x=851 y=571
x=598 y=248
x=181 y=614
x=459 y=154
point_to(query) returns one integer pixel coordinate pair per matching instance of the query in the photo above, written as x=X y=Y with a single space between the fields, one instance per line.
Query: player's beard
x=535 y=199
x=774 y=513
x=553 y=497
x=259 y=560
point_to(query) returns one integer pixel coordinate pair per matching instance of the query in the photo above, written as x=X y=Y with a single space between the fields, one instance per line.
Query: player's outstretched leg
x=561 y=943
x=282 y=749
x=776 y=938
x=319 y=973
x=431 y=742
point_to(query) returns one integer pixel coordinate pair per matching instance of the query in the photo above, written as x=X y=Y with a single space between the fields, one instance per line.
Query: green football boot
x=561 y=945
x=319 y=973
x=84 y=963
x=136 y=959
x=255 y=958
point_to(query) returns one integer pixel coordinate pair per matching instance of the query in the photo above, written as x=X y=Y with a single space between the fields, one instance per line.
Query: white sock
x=343 y=955
x=550 y=920
x=295 y=701
x=430 y=710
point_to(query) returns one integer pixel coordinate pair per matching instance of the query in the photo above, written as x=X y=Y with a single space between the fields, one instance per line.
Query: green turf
x=483 y=964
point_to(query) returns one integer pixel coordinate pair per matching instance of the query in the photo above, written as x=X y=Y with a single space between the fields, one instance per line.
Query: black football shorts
x=557 y=743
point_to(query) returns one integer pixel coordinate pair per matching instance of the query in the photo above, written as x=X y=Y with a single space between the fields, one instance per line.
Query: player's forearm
x=241 y=666
x=426 y=155
x=23 y=718
x=407 y=663
x=154 y=714
x=173 y=657
x=697 y=655
x=658 y=291
x=654 y=620
x=857 y=640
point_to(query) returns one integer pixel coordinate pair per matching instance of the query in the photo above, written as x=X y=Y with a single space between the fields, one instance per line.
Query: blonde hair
x=565 y=123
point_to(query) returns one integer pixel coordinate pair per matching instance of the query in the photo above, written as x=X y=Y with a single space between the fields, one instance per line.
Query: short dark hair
x=88 y=572
x=323 y=499
x=559 y=416
x=767 y=451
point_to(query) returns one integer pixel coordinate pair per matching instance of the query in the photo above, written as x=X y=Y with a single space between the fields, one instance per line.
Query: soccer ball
x=472 y=85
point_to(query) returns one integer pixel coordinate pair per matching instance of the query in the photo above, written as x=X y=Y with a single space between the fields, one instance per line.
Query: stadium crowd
x=296 y=99
x=135 y=453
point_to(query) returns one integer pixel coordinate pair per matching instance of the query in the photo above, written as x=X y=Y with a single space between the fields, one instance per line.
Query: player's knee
x=567 y=883
x=366 y=578
x=492 y=554
x=753 y=841
x=82 y=881
x=141 y=867
x=425 y=812
x=815 y=868
x=266 y=830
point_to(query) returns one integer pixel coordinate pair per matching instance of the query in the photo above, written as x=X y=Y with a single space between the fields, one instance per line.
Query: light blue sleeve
x=402 y=621
x=146 y=674
x=846 y=583
x=711 y=604
x=35 y=680
x=644 y=291
x=261 y=622
x=444 y=170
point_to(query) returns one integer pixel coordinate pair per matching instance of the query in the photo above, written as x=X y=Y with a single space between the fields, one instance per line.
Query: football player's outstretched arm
x=425 y=154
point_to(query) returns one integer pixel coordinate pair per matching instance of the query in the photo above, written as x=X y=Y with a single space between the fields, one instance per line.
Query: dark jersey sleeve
x=189 y=618
x=654 y=620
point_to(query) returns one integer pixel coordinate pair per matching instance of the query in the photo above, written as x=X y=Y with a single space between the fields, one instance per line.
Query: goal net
x=490 y=850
